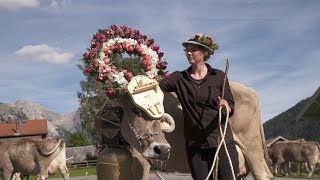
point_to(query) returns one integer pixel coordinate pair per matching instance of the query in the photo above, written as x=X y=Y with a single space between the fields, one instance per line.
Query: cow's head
x=142 y=132
x=49 y=146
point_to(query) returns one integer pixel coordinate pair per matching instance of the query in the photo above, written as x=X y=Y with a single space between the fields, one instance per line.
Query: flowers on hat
x=205 y=40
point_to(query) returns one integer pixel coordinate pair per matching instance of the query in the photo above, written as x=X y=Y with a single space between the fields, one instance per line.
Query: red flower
x=95 y=64
x=86 y=55
x=136 y=32
x=160 y=54
x=106 y=61
x=166 y=75
x=110 y=92
x=155 y=48
x=87 y=70
x=210 y=40
x=150 y=42
x=130 y=49
x=196 y=37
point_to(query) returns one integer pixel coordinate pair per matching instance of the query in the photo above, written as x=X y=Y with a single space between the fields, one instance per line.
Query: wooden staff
x=225 y=78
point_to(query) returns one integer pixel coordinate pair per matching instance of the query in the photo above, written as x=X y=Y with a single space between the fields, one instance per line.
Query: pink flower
x=99 y=35
x=98 y=45
x=107 y=52
x=111 y=47
x=119 y=47
x=87 y=70
x=136 y=32
x=196 y=37
x=166 y=75
x=210 y=40
x=111 y=92
x=130 y=75
x=106 y=61
x=118 y=32
x=130 y=49
x=150 y=42
x=124 y=71
x=160 y=54
x=138 y=48
x=85 y=55
x=149 y=67
x=125 y=45
x=163 y=66
x=113 y=70
x=98 y=78
x=105 y=74
x=155 y=48
x=95 y=64
x=92 y=54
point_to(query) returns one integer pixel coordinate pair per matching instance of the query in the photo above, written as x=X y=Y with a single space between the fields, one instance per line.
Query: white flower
x=119 y=78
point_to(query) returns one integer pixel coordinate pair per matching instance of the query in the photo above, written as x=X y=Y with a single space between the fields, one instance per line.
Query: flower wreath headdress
x=117 y=54
x=204 y=41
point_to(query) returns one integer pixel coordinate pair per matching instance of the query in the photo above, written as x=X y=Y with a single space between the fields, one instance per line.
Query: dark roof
x=312 y=107
x=26 y=128
x=269 y=142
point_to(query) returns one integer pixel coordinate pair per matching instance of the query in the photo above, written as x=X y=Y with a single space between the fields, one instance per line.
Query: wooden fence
x=83 y=164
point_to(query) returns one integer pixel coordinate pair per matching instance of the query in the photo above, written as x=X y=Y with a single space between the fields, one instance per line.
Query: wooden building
x=21 y=129
x=269 y=142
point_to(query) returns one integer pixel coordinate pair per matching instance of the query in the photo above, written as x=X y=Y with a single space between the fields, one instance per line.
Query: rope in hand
x=223 y=134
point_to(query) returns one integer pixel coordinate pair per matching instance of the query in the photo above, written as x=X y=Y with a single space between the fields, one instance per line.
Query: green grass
x=74 y=172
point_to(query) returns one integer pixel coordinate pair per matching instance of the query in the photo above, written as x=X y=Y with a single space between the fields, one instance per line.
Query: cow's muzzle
x=159 y=151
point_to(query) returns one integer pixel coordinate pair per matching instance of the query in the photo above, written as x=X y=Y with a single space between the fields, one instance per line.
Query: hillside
x=285 y=125
x=56 y=122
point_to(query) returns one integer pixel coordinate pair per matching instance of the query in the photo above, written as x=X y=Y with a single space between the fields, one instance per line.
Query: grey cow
x=293 y=151
x=30 y=156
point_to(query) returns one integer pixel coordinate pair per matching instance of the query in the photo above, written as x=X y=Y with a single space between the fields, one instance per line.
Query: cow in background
x=30 y=156
x=293 y=151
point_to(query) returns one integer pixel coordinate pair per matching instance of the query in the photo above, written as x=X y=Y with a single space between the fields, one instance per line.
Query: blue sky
x=272 y=46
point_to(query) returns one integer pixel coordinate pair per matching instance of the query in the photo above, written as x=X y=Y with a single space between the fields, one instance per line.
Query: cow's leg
x=7 y=174
x=64 y=171
x=141 y=166
x=310 y=169
x=7 y=171
x=300 y=168
x=243 y=166
x=286 y=168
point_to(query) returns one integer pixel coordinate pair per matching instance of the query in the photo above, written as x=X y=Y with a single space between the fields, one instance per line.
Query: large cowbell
x=147 y=95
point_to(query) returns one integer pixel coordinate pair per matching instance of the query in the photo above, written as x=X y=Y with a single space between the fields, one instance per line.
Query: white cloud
x=19 y=4
x=44 y=53
x=57 y=5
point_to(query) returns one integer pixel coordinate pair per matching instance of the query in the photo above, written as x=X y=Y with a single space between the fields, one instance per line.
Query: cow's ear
x=167 y=123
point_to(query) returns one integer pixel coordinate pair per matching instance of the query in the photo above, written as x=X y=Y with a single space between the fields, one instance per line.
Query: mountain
x=23 y=110
x=286 y=124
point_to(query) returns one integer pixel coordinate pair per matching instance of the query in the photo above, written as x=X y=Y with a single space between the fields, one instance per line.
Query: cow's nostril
x=162 y=149
x=157 y=150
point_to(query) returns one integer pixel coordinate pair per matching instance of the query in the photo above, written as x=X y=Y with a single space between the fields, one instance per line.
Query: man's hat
x=204 y=41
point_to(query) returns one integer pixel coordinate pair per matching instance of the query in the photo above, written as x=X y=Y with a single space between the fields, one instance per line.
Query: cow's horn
x=54 y=149
x=167 y=123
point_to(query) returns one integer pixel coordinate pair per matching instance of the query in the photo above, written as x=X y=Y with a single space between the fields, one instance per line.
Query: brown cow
x=247 y=130
x=144 y=134
x=28 y=156
x=293 y=151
